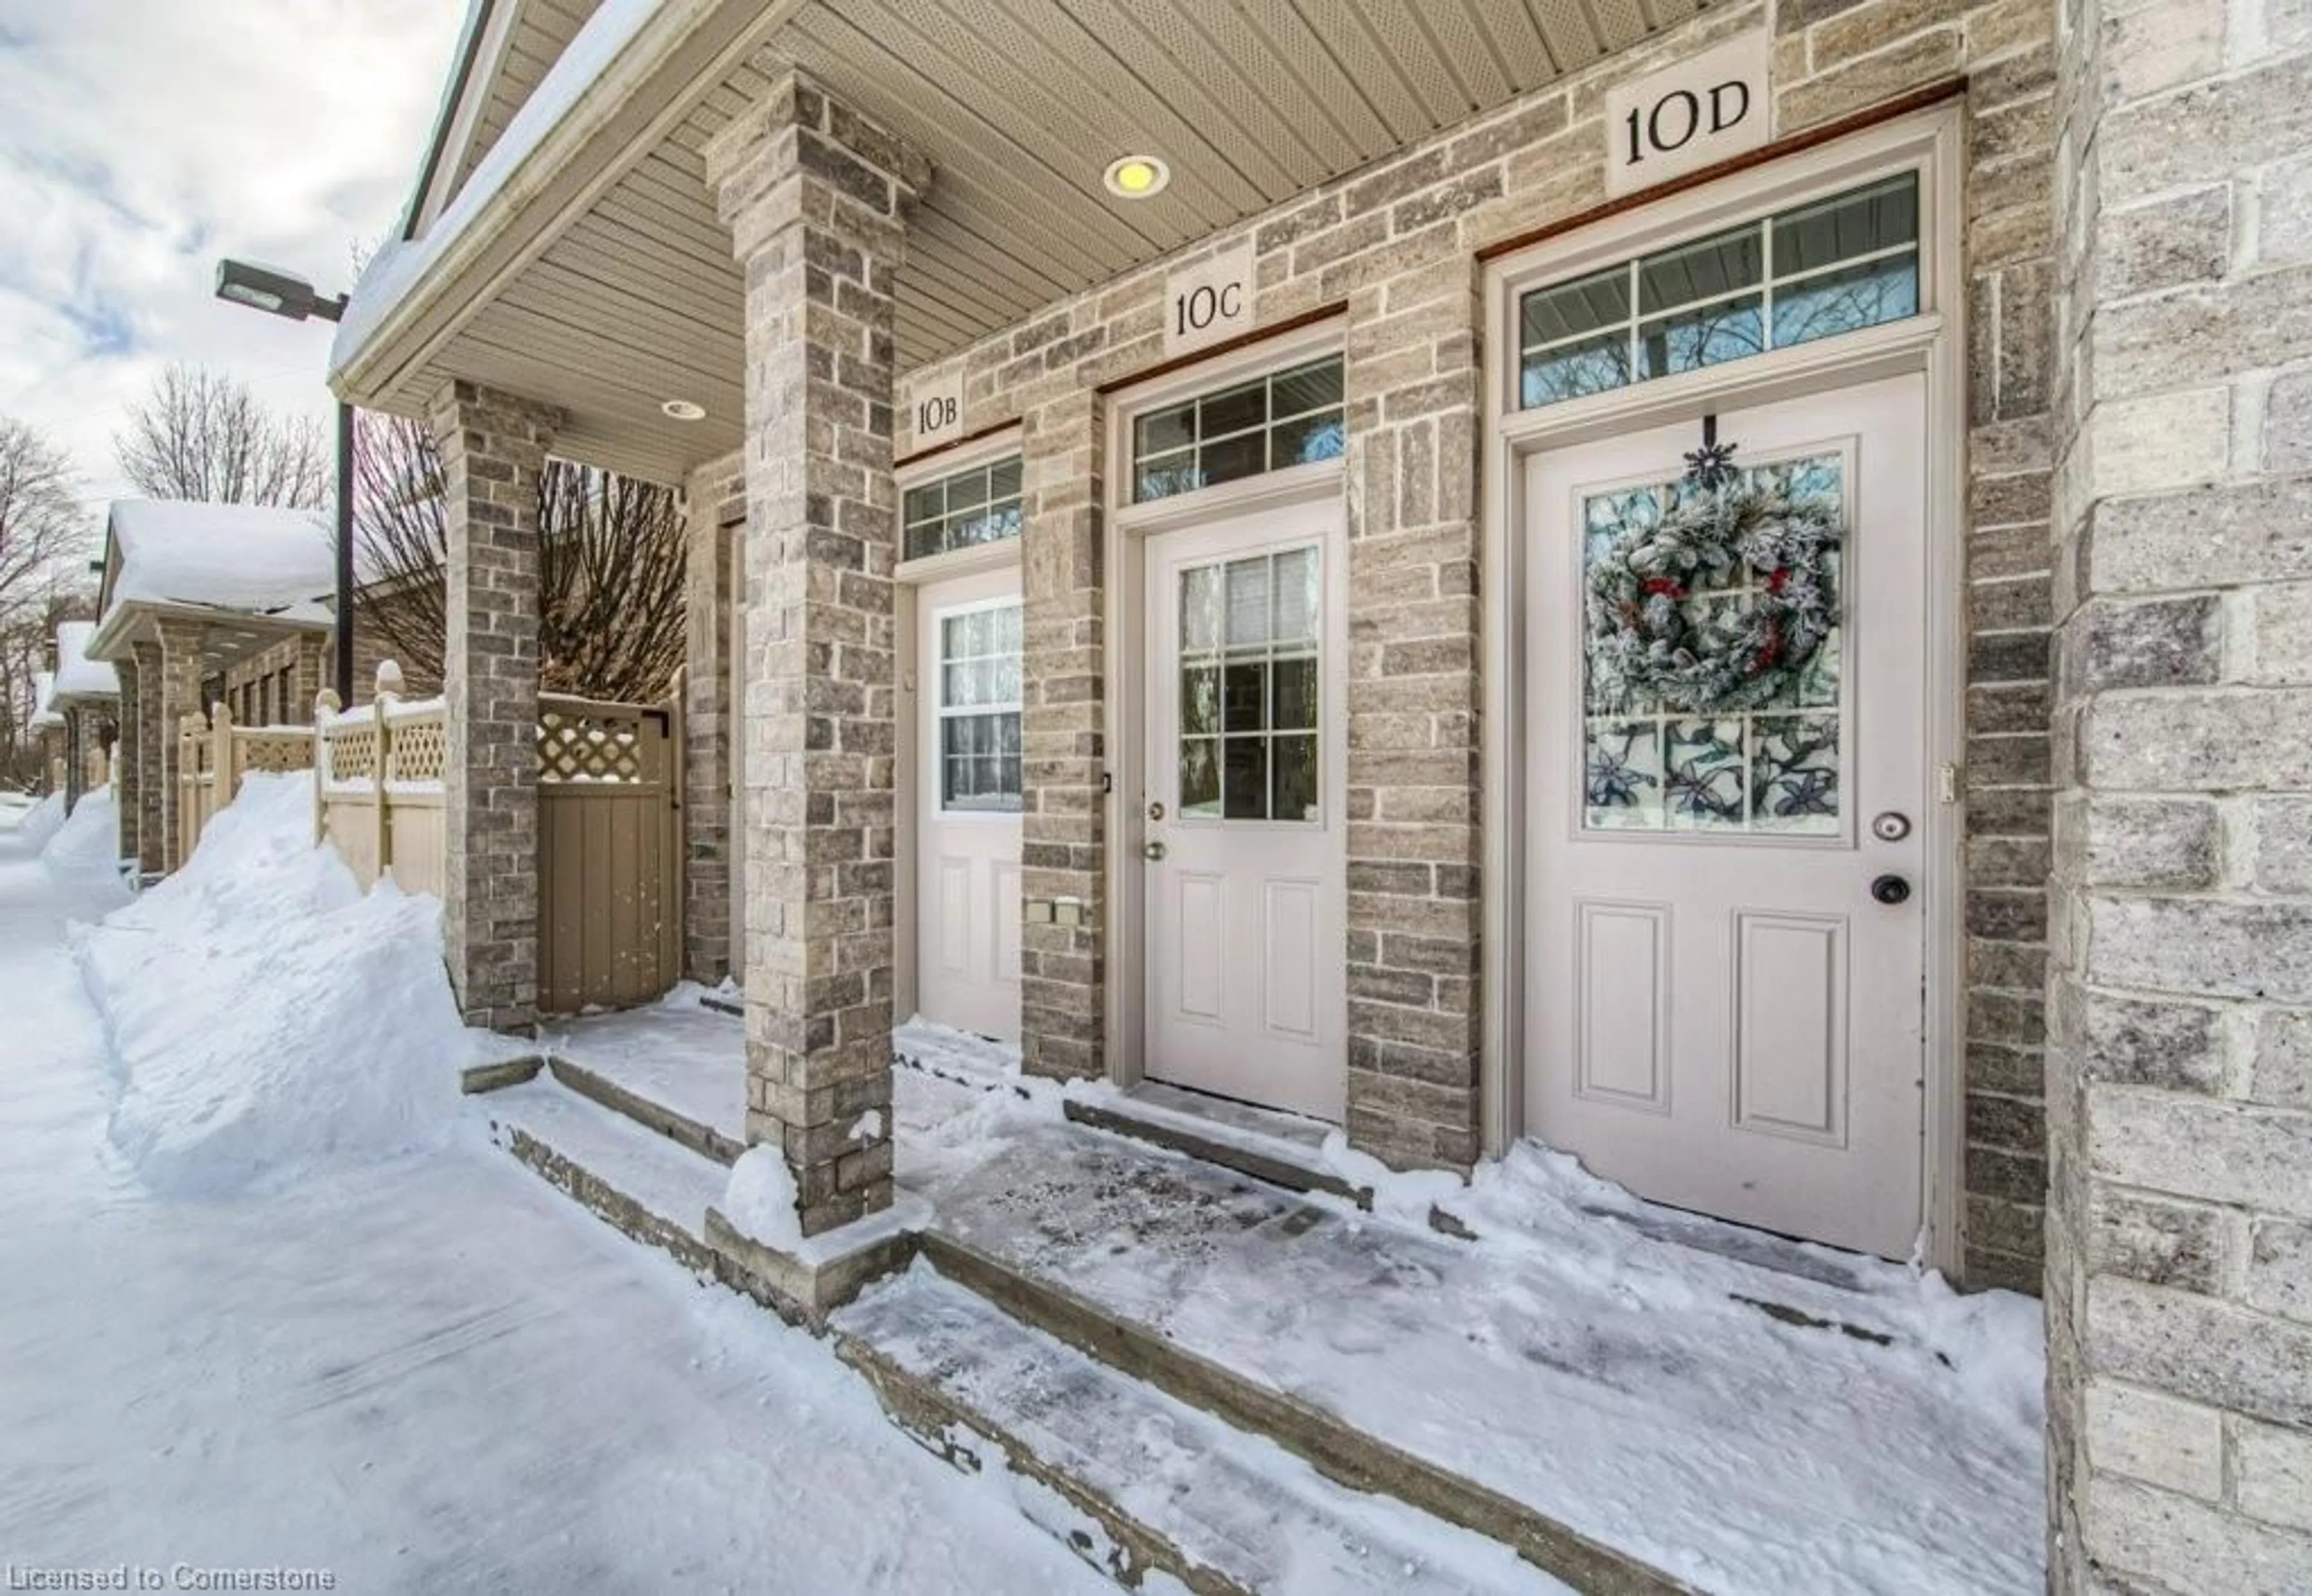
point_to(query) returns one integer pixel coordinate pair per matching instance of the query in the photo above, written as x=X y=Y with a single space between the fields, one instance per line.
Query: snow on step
x=667 y=1181
x=1238 y=1504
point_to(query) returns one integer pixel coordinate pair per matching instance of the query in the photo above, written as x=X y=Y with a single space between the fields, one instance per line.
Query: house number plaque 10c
x=1210 y=302
x=1686 y=117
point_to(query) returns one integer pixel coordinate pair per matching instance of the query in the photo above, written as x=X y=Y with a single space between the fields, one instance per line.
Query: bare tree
x=201 y=435
x=41 y=525
x=611 y=553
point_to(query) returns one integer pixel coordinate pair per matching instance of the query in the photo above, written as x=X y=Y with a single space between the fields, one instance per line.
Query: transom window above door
x=1249 y=676
x=1825 y=268
x=981 y=505
x=1287 y=418
x=979 y=708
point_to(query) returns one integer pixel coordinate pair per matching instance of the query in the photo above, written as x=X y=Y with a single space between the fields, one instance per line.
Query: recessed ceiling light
x=1137 y=177
x=684 y=410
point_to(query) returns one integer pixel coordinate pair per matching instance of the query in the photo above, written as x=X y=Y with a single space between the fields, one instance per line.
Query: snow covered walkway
x=424 y=1375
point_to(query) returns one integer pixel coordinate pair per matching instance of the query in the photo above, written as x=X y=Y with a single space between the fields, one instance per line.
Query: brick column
x=309 y=674
x=127 y=772
x=75 y=758
x=181 y=646
x=814 y=197
x=1062 y=829
x=2179 y=1227
x=151 y=805
x=493 y=452
x=1415 y=701
x=717 y=498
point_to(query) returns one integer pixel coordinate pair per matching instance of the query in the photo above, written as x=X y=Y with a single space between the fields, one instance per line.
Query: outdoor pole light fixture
x=287 y=296
x=276 y=292
x=1137 y=177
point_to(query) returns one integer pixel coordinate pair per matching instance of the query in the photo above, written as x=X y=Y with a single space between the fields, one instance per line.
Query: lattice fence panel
x=420 y=749
x=590 y=746
x=353 y=752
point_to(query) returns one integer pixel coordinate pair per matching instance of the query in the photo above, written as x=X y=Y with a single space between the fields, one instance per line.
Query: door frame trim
x=1124 y=533
x=1933 y=343
x=906 y=702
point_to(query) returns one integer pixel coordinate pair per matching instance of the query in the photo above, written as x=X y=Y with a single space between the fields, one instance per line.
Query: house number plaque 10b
x=1689 y=116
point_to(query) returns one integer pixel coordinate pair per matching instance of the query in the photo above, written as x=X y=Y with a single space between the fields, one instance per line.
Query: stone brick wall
x=2179 y=1268
x=716 y=505
x=127 y=776
x=152 y=765
x=276 y=685
x=493 y=448
x=1394 y=243
x=183 y=651
x=814 y=196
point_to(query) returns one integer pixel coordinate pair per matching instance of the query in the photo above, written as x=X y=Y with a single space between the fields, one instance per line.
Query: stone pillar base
x=804 y=1282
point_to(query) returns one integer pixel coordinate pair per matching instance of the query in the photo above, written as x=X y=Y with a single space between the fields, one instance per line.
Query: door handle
x=1151 y=851
x=1891 y=889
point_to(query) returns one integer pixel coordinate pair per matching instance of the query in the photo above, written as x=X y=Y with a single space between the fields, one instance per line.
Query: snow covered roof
x=78 y=676
x=253 y=558
x=396 y=270
x=44 y=687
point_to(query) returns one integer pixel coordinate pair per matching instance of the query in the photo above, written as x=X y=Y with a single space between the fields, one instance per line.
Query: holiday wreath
x=1734 y=654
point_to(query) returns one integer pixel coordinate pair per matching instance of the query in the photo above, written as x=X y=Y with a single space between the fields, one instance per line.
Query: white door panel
x=967 y=809
x=1719 y=1015
x=1246 y=762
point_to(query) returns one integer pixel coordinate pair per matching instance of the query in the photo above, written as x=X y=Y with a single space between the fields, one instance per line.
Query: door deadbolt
x=1151 y=851
x=1891 y=889
x=1156 y=811
x=1891 y=827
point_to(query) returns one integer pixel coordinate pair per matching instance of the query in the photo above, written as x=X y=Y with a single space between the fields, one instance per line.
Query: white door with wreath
x=1727 y=675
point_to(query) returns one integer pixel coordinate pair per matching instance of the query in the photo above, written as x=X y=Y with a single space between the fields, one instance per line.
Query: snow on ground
x=430 y=1373
x=1617 y=1364
x=85 y=846
x=265 y=1013
x=34 y=826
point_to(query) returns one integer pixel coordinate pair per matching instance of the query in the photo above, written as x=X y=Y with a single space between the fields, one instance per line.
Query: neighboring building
x=202 y=604
x=1277 y=635
x=87 y=696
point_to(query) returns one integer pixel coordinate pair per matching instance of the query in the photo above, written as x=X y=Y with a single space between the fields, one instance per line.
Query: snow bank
x=86 y=844
x=38 y=823
x=761 y=1199
x=264 y=1013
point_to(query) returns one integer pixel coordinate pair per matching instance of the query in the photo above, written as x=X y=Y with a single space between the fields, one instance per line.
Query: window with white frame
x=1286 y=419
x=979 y=708
x=962 y=510
x=1825 y=268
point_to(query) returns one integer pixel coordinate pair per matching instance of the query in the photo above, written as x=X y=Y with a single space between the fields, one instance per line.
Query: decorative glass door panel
x=1712 y=689
x=1246 y=883
x=1250 y=747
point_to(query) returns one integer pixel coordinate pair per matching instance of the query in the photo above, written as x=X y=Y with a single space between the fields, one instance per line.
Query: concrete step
x=664 y=1118
x=1168 y=1487
x=1334 y=1448
x=628 y=1174
x=1282 y=1149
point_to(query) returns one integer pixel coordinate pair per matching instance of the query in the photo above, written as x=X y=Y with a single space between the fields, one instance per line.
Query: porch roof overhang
x=228 y=637
x=582 y=263
x=81 y=680
x=246 y=573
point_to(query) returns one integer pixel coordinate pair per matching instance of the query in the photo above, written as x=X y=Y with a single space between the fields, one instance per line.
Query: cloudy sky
x=141 y=139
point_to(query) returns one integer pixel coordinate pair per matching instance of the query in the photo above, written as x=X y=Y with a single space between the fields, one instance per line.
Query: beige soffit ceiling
x=632 y=299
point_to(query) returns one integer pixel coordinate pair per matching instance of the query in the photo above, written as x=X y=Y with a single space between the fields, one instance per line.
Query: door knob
x=1891 y=889
x=1155 y=850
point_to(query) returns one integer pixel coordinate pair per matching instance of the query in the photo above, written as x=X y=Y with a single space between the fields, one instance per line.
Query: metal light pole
x=291 y=297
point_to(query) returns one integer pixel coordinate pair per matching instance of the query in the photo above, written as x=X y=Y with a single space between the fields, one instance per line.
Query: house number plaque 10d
x=1687 y=117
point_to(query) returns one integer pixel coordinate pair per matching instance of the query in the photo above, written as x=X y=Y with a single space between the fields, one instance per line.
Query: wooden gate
x=609 y=852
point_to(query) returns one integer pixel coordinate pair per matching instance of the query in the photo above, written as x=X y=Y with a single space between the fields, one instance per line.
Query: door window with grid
x=979 y=708
x=1249 y=678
